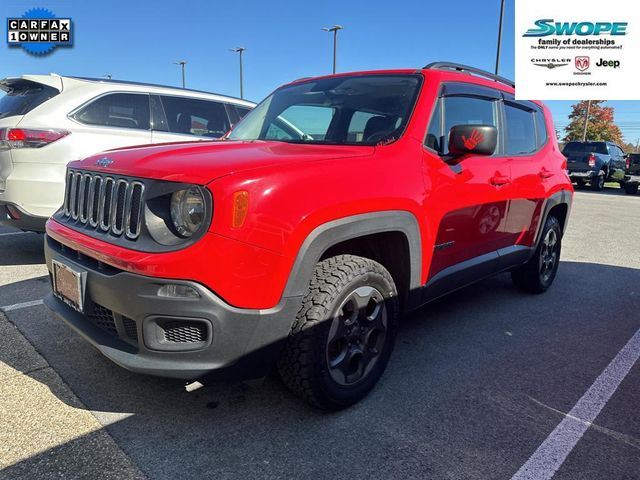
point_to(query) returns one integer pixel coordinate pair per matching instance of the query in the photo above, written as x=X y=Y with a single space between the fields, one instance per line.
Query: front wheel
x=343 y=336
x=631 y=188
x=537 y=275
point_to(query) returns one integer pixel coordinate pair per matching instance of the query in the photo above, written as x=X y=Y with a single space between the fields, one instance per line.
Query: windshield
x=24 y=96
x=351 y=110
x=586 y=147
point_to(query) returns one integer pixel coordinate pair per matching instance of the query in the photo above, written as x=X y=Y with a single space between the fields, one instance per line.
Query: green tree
x=601 y=127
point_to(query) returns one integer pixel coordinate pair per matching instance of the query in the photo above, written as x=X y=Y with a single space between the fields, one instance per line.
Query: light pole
x=586 y=121
x=182 y=63
x=499 y=36
x=334 y=29
x=240 y=51
x=107 y=75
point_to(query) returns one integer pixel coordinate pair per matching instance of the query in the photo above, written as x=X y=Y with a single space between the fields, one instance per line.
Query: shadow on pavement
x=453 y=403
x=22 y=249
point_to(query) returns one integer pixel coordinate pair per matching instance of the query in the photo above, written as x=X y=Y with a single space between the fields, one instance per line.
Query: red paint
x=292 y=189
x=473 y=141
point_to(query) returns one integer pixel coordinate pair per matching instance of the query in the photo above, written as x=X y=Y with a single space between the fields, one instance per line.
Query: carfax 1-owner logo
x=601 y=39
x=39 y=31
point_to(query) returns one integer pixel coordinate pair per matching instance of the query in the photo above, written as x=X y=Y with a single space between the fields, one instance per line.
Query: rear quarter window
x=119 y=110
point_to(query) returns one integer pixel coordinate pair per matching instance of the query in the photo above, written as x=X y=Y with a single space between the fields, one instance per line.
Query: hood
x=202 y=162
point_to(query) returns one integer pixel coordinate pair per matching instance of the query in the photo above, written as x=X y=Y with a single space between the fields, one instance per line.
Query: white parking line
x=19 y=306
x=12 y=233
x=549 y=456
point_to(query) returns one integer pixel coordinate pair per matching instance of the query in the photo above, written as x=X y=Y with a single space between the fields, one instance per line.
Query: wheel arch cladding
x=401 y=230
x=558 y=204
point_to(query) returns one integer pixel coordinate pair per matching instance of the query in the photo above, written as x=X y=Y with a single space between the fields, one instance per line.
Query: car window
x=121 y=110
x=520 y=130
x=309 y=121
x=466 y=111
x=541 y=128
x=193 y=116
x=23 y=96
x=242 y=111
x=434 y=138
x=586 y=147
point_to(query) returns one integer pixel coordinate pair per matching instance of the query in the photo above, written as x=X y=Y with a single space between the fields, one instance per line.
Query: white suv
x=47 y=121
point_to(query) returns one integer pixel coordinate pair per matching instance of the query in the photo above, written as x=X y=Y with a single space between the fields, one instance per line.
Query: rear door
x=178 y=119
x=525 y=135
x=467 y=201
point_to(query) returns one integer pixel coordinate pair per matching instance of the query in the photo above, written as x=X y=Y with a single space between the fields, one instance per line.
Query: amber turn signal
x=240 y=208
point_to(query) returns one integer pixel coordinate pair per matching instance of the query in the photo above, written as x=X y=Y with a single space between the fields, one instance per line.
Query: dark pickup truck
x=595 y=163
x=632 y=177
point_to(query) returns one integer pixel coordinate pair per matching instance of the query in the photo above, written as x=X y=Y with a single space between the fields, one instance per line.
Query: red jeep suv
x=334 y=206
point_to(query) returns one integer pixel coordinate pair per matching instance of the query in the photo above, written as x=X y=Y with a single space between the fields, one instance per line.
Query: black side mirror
x=473 y=140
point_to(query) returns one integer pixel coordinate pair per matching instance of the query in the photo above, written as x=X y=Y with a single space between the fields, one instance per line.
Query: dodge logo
x=583 y=63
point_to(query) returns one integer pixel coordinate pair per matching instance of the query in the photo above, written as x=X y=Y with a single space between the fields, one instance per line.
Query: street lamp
x=182 y=63
x=334 y=29
x=107 y=75
x=499 y=36
x=240 y=50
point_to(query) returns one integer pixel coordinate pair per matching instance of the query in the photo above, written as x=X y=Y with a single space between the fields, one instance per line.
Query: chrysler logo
x=104 y=162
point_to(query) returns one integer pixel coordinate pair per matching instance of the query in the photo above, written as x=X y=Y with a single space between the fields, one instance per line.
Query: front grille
x=103 y=318
x=184 y=332
x=104 y=203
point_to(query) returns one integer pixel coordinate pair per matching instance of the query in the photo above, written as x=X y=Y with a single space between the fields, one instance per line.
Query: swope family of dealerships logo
x=39 y=31
x=548 y=26
x=551 y=63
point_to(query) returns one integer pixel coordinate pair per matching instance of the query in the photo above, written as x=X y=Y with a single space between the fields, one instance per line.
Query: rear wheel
x=631 y=188
x=580 y=183
x=597 y=183
x=342 y=338
x=537 y=275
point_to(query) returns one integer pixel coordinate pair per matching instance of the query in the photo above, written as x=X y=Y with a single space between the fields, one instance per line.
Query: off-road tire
x=304 y=365
x=529 y=277
x=630 y=188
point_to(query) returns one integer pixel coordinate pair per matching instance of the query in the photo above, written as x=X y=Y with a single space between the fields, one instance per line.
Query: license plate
x=67 y=285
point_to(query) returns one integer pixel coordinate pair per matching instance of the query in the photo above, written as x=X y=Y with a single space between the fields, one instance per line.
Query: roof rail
x=465 y=68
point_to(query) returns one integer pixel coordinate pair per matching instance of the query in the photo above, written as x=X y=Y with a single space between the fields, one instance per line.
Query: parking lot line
x=20 y=306
x=549 y=456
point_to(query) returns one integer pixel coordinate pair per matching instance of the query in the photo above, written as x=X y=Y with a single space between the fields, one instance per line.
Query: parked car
x=632 y=177
x=48 y=120
x=595 y=163
x=337 y=204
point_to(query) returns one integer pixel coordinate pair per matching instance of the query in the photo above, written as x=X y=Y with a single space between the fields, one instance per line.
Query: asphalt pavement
x=480 y=383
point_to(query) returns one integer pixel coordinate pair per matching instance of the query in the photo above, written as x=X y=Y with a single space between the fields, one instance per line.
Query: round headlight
x=187 y=211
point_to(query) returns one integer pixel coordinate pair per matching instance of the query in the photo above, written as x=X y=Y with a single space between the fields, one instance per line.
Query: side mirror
x=473 y=140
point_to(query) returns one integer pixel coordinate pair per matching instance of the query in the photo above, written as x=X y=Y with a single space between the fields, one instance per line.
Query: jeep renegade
x=334 y=206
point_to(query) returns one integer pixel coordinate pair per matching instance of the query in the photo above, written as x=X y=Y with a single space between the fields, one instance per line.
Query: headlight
x=187 y=211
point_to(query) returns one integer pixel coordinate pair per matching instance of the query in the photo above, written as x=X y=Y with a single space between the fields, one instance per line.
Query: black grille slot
x=97 y=201
x=103 y=318
x=184 y=332
x=130 y=328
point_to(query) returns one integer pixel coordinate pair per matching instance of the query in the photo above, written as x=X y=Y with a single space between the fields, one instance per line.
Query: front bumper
x=18 y=218
x=128 y=322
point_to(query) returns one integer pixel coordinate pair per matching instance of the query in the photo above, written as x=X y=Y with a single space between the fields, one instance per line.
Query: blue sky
x=139 y=40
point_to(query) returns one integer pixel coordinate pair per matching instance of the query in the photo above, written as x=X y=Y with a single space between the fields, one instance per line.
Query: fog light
x=178 y=291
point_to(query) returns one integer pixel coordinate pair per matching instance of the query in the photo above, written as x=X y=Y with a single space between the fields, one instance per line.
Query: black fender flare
x=562 y=197
x=329 y=234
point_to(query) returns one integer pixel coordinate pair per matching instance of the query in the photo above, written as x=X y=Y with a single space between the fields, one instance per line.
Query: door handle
x=499 y=180
x=544 y=173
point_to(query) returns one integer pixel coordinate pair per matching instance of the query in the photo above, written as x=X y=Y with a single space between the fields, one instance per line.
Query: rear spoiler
x=53 y=81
